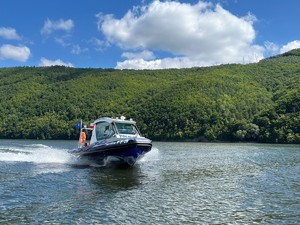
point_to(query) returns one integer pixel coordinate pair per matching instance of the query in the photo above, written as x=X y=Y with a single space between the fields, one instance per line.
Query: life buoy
x=82 y=137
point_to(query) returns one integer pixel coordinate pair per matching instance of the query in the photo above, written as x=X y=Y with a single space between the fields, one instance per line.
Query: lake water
x=176 y=183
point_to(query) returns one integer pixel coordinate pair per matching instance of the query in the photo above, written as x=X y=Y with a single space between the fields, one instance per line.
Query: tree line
x=255 y=102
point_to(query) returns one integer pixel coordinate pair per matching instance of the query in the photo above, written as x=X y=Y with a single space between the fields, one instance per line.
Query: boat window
x=126 y=128
x=103 y=130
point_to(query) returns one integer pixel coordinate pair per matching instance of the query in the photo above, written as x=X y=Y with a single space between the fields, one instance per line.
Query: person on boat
x=83 y=139
x=108 y=132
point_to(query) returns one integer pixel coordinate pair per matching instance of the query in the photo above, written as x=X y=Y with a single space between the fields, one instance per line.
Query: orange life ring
x=82 y=137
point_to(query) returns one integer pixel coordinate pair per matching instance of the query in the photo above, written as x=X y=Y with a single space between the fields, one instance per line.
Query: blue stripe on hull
x=126 y=157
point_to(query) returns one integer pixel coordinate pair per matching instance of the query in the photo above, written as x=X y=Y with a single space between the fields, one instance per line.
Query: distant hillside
x=253 y=102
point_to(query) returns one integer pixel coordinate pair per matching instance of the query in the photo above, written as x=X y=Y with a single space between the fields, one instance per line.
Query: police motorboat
x=116 y=141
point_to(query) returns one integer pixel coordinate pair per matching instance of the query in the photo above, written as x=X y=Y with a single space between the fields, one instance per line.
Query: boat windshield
x=126 y=128
x=104 y=130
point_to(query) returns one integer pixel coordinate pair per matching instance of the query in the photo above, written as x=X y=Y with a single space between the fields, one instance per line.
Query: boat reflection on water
x=115 y=180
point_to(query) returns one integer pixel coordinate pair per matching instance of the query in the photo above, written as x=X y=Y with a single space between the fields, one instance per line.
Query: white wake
x=35 y=153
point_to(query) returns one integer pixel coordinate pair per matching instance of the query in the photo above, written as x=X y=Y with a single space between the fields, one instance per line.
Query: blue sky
x=141 y=34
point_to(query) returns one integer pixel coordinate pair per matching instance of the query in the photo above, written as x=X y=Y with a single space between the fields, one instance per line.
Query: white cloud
x=51 y=26
x=63 y=40
x=76 y=49
x=176 y=62
x=98 y=44
x=139 y=64
x=57 y=62
x=271 y=47
x=200 y=34
x=18 y=53
x=9 y=33
x=290 y=46
x=139 y=55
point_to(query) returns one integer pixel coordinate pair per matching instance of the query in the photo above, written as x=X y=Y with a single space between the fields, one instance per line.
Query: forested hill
x=253 y=102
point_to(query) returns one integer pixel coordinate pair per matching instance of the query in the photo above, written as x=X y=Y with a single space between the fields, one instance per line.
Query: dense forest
x=255 y=102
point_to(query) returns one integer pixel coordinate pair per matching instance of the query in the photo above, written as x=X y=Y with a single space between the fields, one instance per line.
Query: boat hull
x=118 y=153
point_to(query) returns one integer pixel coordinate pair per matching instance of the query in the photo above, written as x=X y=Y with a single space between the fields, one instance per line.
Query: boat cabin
x=105 y=128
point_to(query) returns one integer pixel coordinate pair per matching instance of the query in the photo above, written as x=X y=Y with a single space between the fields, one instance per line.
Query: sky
x=144 y=34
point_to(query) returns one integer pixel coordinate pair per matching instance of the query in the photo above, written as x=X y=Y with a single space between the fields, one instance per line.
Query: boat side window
x=103 y=130
x=126 y=128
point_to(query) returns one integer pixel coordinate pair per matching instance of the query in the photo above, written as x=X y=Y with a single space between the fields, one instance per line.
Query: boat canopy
x=113 y=127
x=122 y=119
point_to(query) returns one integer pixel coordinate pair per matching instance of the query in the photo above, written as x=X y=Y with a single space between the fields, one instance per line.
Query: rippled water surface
x=176 y=183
